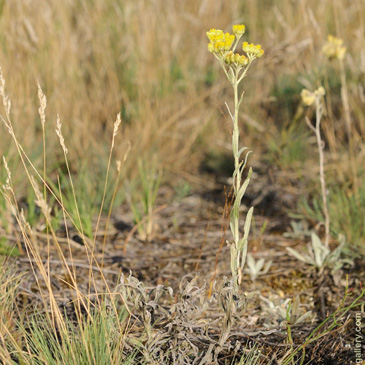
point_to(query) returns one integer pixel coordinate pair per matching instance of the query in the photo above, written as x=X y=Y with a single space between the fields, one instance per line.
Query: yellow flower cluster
x=238 y=29
x=221 y=44
x=309 y=97
x=236 y=59
x=334 y=48
x=219 y=41
x=252 y=49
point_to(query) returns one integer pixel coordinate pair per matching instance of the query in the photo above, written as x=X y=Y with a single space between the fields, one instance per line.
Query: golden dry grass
x=148 y=59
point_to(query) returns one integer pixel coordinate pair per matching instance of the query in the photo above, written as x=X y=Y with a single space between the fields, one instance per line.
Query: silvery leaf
x=320 y=251
x=267 y=267
x=304 y=317
x=306 y=259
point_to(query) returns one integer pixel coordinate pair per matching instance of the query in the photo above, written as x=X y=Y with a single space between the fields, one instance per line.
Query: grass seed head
x=42 y=105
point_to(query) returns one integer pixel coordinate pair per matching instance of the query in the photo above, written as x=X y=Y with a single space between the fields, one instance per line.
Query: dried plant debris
x=182 y=328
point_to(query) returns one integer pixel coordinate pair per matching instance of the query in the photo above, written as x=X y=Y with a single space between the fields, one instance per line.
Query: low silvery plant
x=280 y=312
x=300 y=230
x=177 y=327
x=320 y=256
x=256 y=268
x=294 y=315
x=171 y=321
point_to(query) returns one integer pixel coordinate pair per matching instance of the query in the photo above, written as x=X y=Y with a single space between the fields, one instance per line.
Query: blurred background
x=148 y=59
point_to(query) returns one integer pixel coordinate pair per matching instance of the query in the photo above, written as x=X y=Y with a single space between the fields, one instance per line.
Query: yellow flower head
x=215 y=35
x=253 y=50
x=320 y=92
x=236 y=58
x=334 y=48
x=238 y=29
x=219 y=42
x=309 y=97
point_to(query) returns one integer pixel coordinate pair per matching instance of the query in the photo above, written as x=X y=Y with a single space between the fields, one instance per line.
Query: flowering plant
x=235 y=66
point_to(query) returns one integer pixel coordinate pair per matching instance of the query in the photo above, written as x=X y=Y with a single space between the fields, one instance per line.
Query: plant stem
x=235 y=144
x=238 y=249
x=237 y=254
x=236 y=187
x=320 y=143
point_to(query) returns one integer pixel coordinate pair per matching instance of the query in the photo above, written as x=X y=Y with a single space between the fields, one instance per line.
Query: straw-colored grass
x=148 y=60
